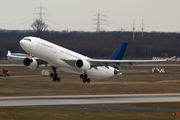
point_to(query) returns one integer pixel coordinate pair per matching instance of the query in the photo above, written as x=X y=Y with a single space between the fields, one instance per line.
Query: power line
x=16 y=21
x=118 y=25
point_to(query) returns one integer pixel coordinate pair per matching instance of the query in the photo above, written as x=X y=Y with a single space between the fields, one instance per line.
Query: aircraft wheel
x=51 y=75
x=54 y=79
x=81 y=76
x=58 y=79
x=84 y=80
x=88 y=80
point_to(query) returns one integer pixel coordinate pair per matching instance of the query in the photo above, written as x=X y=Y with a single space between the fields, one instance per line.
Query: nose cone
x=22 y=43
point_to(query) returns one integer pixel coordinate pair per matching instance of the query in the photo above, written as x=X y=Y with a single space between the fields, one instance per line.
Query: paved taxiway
x=95 y=102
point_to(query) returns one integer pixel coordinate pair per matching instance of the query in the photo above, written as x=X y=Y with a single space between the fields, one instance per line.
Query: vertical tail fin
x=119 y=53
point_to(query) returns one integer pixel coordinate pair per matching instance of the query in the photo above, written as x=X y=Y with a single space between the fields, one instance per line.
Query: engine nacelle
x=30 y=63
x=83 y=65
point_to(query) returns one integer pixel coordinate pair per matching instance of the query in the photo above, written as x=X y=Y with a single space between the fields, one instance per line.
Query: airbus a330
x=43 y=52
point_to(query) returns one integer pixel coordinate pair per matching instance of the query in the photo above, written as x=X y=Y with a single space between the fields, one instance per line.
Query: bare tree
x=39 y=26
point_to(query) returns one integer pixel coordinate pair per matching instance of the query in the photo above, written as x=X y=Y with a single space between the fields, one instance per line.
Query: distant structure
x=142 y=28
x=99 y=21
x=38 y=25
x=133 y=29
x=122 y=29
x=41 y=13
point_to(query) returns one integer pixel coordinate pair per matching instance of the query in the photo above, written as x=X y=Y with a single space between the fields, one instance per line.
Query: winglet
x=170 y=59
x=9 y=53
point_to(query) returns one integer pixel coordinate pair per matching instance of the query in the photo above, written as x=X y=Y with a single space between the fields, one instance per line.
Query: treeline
x=100 y=45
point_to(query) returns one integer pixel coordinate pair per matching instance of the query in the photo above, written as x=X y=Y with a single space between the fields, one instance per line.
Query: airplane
x=44 y=52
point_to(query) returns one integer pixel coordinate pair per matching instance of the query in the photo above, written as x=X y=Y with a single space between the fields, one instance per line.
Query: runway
x=92 y=102
x=11 y=65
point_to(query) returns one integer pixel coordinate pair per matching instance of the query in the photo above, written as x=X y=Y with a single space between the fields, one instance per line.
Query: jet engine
x=30 y=63
x=83 y=65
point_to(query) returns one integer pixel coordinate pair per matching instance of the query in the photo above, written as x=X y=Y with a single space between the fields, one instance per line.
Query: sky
x=81 y=15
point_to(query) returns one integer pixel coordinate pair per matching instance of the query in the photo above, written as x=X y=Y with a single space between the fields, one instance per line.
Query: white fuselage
x=53 y=54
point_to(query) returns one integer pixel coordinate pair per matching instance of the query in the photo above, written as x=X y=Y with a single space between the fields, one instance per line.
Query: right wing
x=118 y=63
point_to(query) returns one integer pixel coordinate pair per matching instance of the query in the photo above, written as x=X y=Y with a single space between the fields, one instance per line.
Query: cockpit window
x=27 y=39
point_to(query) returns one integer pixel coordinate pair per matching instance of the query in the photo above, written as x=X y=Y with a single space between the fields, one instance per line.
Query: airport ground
x=70 y=114
x=27 y=82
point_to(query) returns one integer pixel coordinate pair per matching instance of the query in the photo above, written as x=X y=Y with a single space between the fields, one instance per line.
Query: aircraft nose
x=22 y=43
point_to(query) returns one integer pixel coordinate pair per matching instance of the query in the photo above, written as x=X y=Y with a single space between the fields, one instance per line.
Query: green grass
x=71 y=84
x=68 y=114
x=36 y=88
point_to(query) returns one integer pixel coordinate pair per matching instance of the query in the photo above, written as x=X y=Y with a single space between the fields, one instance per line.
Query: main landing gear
x=54 y=75
x=85 y=78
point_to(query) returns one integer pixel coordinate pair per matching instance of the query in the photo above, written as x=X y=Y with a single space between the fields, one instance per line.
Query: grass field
x=27 y=82
x=65 y=114
x=72 y=85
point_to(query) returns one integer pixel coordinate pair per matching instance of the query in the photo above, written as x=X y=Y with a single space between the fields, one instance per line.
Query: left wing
x=18 y=55
x=21 y=56
x=11 y=56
